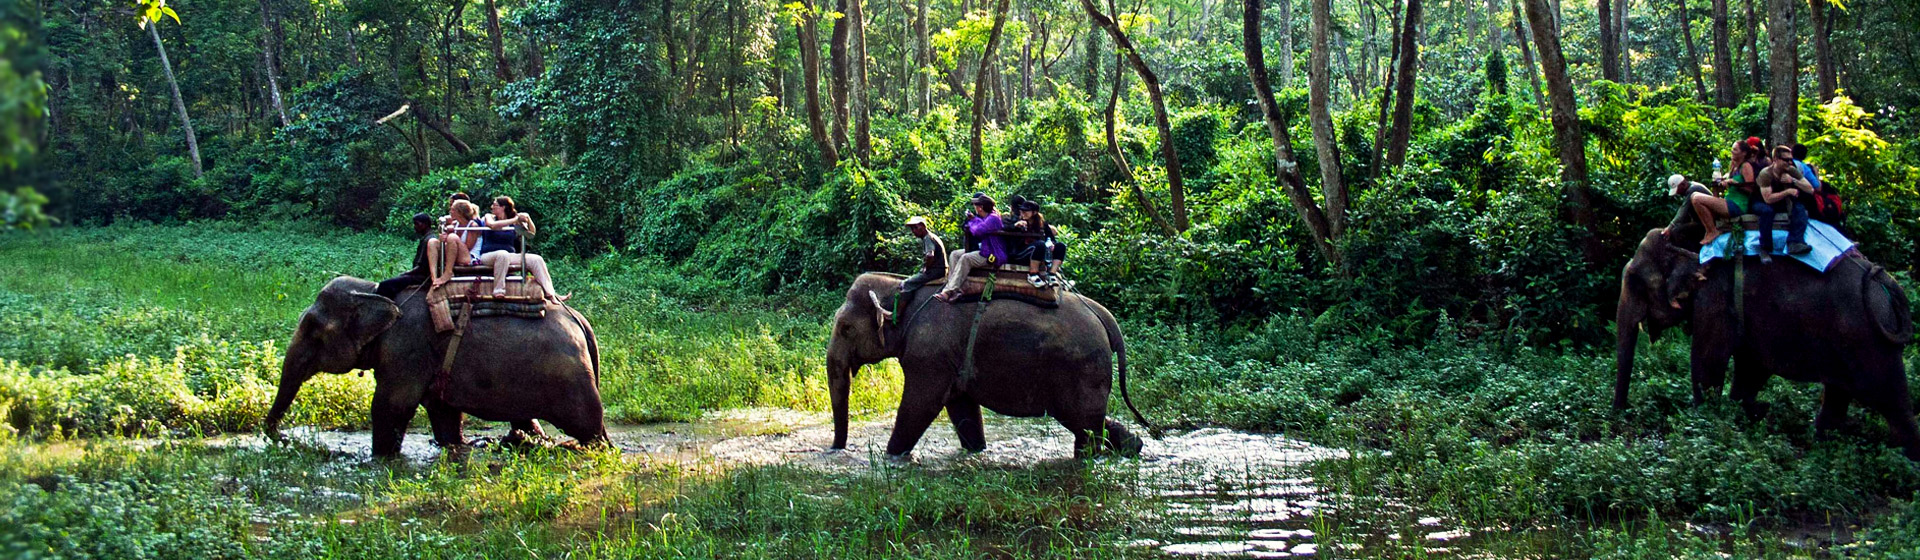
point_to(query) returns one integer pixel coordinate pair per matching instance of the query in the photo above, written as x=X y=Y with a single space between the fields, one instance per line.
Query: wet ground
x=1226 y=494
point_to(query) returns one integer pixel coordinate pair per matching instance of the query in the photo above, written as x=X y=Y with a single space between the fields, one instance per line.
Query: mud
x=1225 y=494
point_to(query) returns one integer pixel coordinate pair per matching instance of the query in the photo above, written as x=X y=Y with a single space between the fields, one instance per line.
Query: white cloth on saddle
x=1828 y=245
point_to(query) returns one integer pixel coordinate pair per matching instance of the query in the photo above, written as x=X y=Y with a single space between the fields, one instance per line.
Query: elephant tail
x=1888 y=302
x=593 y=343
x=1120 y=352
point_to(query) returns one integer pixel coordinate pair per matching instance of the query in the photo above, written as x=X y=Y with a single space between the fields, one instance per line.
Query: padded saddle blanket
x=1828 y=245
x=1010 y=282
x=521 y=300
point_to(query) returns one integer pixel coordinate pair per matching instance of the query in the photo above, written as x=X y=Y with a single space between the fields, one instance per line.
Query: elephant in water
x=1028 y=361
x=1845 y=328
x=507 y=369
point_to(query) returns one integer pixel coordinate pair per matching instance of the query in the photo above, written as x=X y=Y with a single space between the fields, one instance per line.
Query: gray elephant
x=506 y=370
x=1845 y=329
x=1028 y=361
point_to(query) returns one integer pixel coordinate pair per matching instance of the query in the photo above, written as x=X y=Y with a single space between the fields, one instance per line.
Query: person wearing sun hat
x=933 y=258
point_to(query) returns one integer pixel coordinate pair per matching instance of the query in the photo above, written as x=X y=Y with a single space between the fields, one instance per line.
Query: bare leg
x=1709 y=208
x=438 y=269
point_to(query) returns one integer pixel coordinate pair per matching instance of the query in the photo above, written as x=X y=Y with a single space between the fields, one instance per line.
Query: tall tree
x=501 y=68
x=150 y=19
x=1609 y=45
x=1569 y=141
x=809 y=32
x=269 y=63
x=837 y=63
x=1286 y=168
x=1526 y=55
x=980 y=86
x=862 y=138
x=1722 y=57
x=1120 y=159
x=1622 y=41
x=923 y=58
x=1321 y=120
x=1385 y=107
x=1783 y=54
x=1829 y=82
x=1168 y=151
x=1754 y=73
x=1286 y=44
x=1680 y=12
x=1402 y=131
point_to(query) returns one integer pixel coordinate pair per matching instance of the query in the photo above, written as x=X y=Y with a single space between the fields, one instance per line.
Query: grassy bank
x=177 y=330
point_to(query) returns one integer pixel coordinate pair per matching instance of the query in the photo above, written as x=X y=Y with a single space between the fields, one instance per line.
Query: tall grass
x=150 y=329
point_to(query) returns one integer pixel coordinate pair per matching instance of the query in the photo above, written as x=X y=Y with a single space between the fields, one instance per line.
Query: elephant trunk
x=1627 y=321
x=839 y=383
x=295 y=370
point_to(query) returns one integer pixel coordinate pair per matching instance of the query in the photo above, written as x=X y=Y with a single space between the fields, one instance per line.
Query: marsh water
x=1222 y=493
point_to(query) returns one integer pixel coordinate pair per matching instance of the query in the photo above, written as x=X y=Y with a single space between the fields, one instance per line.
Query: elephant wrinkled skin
x=1845 y=329
x=1029 y=361
x=506 y=370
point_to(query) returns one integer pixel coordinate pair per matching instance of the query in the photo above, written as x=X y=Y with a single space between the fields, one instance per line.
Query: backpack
x=1827 y=207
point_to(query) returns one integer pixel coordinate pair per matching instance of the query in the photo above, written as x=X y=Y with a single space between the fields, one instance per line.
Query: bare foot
x=1710 y=235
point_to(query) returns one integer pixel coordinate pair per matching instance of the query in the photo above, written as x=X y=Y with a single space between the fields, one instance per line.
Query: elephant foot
x=905 y=458
x=1130 y=446
x=1756 y=411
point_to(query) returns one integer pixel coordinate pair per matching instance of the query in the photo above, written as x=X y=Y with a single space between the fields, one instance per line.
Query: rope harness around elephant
x=973 y=334
x=444 y=376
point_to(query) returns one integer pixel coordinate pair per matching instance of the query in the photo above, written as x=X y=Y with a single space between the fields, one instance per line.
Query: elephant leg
x=446 y=423
x=1746 y=391
x=1709 y=371
x=1894 y=404
x=917 y=411
x=584 y=422
x=1121 y=440
x=392 y=410
x=1833 y=410
x=967 y=423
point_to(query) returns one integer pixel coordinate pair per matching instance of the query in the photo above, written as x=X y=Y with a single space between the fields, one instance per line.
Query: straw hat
x=917 y=221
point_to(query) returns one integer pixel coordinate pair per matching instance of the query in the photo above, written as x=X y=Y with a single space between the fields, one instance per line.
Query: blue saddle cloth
x=1828 y=245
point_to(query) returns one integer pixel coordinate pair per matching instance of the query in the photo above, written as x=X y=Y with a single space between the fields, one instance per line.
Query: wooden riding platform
x=472 y=287
x=1009 y=282
x=1750 y=222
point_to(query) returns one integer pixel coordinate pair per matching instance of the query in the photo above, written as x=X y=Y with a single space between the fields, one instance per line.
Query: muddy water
x=1225 y=494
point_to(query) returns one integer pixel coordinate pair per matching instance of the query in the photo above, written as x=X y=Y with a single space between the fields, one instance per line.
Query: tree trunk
x=1609 y=48
x=837 y=61
x=1783 y=52
x=1286 y=168
x=1386 y=98
x=1091 y=80
x=1026 y=57
x=266 y=55
x=1723 y=95
x=1325 y=146
x=809 y=32
x=1168 y=151
x=1568 y=139
x=923 y=56
x=1120 y=160
x=179 y=105
x=1823 y=50
x=980 y=87
x=862 y=137
x=1622 y=43
x=667 y=25
x=1402 y=130
x=1526 y=55
x=1286 y=47
x=502 y=68
x=1685 y=16
x=1755 y=77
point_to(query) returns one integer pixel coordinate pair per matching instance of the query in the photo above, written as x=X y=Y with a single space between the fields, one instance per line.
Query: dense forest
x=1381 y=163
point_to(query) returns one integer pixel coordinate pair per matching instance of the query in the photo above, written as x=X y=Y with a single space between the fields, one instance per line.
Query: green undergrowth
x=189 y=500
x=144 y=330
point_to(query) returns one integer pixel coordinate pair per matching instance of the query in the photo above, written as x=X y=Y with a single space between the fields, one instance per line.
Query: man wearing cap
x=1684 y=188
x=933 y=258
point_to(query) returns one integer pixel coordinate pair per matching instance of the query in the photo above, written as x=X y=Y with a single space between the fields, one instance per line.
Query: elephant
x=1845 y=328
x=1028 y=361
x=506 y=369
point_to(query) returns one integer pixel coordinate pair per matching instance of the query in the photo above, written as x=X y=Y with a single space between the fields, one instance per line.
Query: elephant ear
x=351 y=316
x=880 y=315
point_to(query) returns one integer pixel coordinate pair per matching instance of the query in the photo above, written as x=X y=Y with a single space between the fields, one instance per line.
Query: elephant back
x=1887 y=304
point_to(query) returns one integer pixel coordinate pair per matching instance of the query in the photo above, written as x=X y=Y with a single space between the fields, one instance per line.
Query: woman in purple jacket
x=982 y=225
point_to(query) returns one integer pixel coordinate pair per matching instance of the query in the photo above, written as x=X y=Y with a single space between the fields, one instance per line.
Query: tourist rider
x=981 y=224
x=1039 y=250
x=933 y=258
x=1780 y=182
x=454 y=247
x=1738 y=187
x=423 y=230
x=500 y=247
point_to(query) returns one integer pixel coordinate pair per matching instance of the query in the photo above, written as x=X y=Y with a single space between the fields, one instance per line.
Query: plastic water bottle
x=1716 y=169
